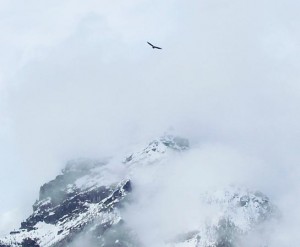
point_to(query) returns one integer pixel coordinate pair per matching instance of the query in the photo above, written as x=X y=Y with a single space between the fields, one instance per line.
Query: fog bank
x=77 y=79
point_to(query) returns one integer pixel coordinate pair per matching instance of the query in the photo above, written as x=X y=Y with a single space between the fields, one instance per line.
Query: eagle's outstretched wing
x=156 y=47
x=153 y=46
x=150 y=44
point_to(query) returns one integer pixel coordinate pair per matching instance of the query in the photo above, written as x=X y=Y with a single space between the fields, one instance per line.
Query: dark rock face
x=28 y=242
x=53 y=210
x=4 y=245
x=71 y=208
x=56 y=189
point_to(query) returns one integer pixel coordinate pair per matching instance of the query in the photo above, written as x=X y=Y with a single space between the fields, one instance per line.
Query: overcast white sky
x=77 y=79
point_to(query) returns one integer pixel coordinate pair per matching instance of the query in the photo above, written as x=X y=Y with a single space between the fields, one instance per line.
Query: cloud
x=9 y=220
x=166 y=199
x=77 y=79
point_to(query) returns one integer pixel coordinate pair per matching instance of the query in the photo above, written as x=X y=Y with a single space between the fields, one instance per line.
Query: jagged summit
x=175 y=142
x=86 y=199
x=157 y=148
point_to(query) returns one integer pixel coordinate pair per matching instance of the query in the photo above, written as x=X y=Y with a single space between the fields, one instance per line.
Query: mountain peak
x=86 y=201
x=157 y=148
x=175 y=142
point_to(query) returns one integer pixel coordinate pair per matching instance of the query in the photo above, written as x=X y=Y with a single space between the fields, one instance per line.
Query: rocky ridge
x=85 y=200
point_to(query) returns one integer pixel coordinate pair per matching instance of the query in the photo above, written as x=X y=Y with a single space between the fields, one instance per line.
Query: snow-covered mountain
x=83 y=206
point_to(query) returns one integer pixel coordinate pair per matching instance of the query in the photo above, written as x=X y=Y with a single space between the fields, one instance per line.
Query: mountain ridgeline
x=83 y=206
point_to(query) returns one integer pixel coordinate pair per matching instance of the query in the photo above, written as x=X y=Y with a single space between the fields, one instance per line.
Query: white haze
x=77 y=79
x=166 y=199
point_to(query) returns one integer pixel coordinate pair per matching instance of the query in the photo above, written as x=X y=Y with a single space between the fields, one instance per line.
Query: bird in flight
x=153 y=46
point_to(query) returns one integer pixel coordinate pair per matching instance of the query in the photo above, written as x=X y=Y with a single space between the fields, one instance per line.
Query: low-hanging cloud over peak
x=78 y=80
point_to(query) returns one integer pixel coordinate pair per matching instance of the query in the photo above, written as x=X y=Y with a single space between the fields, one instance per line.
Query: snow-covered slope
x=85 y=200
x=67 y=205
x=239 y=212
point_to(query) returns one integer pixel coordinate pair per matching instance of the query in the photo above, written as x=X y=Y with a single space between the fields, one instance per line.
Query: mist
x=79 y=80
x=167 y=199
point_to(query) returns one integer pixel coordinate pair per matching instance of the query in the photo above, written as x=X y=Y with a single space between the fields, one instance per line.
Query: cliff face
x=84 y=202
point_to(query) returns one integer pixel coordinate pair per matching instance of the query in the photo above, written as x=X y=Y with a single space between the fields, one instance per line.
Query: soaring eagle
x=153 y=46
